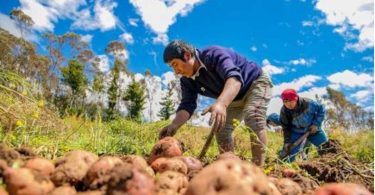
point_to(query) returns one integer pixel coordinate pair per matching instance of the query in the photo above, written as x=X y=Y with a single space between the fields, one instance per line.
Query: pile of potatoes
x=165 y=172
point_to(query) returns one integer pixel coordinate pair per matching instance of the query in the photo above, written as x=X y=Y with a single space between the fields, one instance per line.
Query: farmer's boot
x=258 y=147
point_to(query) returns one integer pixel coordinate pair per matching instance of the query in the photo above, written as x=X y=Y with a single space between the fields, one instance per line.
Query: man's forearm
x=231 y=88
x=181 y=117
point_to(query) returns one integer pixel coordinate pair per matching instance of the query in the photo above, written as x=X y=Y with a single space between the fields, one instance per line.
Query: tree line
x=70 y=68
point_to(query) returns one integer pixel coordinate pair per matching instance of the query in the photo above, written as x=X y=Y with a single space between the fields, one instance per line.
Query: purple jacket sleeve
x=225 y=66
x=189 y=97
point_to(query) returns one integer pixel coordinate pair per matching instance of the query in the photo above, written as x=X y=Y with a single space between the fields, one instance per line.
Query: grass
x=128 y=137
x=25 y=120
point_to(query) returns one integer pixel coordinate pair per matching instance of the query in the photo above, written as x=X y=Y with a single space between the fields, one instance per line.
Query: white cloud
x=313 y=92
x=102 y=18
x=86 y=38
x=46 y=13
x=159 y=15
x=161 y=38
x=104 y=14
x=138 y=77
x=104 y=63
x=368 y=58
x=253 y=48
x=133 y=21
x=43 y=16
x=168 y=77
x=297 y=84
x=302 y=61
x=275 y=105
x=307 y=23
x=351 y=79
x=9 y=25
x=362 y=95
x=271 y=69
x=354 y=15
x=127 y=37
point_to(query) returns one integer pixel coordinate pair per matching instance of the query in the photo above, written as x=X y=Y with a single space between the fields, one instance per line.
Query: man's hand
x=313 y=129
x=168 y=130
x=218 y=115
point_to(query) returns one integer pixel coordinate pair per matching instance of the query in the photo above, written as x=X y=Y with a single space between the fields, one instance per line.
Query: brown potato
x=72 y=168
x=271 y=184
x=166 y=147
x=43 y=166
x=99 y=173
x=3 y=191
x=227 y=155
x=24 y=181
x=171 y=181
x=226 y=177
x=64 y=190
x=139 y=162
x=126 y=179
x=342 y=189
x=287 y=187
x=95 y=192
x=194 y=165
x=169 y=164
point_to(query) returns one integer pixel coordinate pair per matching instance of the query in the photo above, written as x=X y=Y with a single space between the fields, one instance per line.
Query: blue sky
x=308 y=45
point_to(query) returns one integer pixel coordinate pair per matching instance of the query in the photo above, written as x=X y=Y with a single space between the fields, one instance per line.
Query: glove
x=313 y=129
x=169 y=130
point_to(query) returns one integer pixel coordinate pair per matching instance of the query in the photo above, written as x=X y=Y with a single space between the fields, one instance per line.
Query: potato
x=25 y=181
x=227 y=155
x=169 y=164
x=193 y=165
x=64 y=190
x=43 y=166
x=226 y=177
x=95 y=192
x=271 y=184
x=99 y=173
x=342 y=189
x=287 y=187
x=126 y=179
x=3 y=191
x=72 y=168
x=171 y=181
x=166 y=147
x=139 y=162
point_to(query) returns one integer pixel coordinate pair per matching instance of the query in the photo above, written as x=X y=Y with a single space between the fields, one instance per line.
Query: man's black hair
x=176 y=49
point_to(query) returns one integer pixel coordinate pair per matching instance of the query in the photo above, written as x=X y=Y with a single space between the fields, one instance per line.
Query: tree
x=346 y=114
x=167 y=105
x=23 y=20
x=135 y=98
x=119 y=52
x=74 y=76
x=113 y=90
